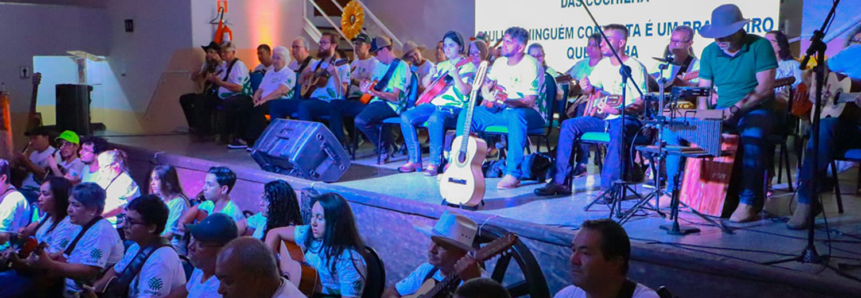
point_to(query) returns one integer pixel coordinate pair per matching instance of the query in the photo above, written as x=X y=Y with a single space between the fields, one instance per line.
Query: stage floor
x=754 y=243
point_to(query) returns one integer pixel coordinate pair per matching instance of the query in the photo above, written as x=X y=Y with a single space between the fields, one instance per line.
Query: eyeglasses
x=855 y=40
x=676 y=41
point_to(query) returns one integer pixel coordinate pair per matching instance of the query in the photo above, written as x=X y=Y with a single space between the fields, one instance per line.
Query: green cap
x=69 y=136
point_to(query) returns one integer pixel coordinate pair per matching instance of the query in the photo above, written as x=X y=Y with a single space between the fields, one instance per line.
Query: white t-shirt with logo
x=161 y=273
x=422 y=70
x=606 y=76
x=451 y=96
x=361 y=70
x=57 y=238
x=231 y=209
x=238 y=75
x=262 y=68
x=348 y=279
x=331 y=92
x=574 y=292
x=520 y=80
x=176 y=207
x=273 y=80
x=14 y=212
x=119 y=192
x=40 y=159
x=74 y=168
x=99 y=247
x=197 y=288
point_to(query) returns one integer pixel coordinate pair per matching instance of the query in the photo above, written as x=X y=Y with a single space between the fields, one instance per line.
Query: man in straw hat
x=451 y=239
x=418 y=64
x=742 y=67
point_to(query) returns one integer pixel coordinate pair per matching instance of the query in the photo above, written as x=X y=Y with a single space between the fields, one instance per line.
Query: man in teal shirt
x=741 y=66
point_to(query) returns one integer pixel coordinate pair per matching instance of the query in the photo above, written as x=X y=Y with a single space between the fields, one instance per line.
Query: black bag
x=536 y=166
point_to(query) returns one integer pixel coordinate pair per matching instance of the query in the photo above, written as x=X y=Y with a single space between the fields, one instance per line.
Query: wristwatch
x=734 y=109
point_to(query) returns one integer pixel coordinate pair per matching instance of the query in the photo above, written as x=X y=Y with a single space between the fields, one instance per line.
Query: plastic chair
x=375 y=283
x=412 y=94
x=545 y=103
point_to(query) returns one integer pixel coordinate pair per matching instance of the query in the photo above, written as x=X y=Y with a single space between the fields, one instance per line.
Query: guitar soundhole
x=461 y=157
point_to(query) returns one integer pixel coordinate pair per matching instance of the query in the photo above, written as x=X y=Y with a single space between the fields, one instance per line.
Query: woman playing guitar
x=331 y=245
x=448 y=83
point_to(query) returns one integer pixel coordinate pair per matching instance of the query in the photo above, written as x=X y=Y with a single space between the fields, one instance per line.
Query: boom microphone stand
x=817 y=47
x=618 y=192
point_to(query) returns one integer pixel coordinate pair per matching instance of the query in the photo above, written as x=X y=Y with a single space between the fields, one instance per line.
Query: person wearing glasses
x=319 y=102
x=207 y=240
x=684 y=60
x=66 y=162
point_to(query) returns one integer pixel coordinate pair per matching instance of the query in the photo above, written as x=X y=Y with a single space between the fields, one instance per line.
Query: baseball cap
x=379 y=43
x=218 y=228
x=38 y=131
x=363 y=37
x=212 y=45
x=69 y=136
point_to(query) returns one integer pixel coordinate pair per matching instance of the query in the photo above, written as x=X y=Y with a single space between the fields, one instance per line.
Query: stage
x=706 y=264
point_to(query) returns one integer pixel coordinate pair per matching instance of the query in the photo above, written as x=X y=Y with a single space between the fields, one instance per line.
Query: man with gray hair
x=512 y=103
x=282 y=108
x=681 y=51
x=246 y=268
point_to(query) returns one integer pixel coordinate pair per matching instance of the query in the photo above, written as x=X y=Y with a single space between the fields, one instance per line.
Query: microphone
x=669 y=59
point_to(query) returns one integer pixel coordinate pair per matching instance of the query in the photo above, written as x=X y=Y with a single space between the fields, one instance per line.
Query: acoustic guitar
x=463 y=182
x=440 y=84
x=319 y=79
x=835 y=96
x=430 y=288
x=297 y=270
x=34 y=119
x=366 y=97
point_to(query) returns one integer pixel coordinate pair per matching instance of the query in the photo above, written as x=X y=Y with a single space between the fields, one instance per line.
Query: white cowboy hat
x=454 y=229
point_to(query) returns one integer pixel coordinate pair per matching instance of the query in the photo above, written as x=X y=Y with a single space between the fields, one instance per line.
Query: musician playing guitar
x=684 y=61
x=318 y=103
x=444 y=105
x=605 y=78
x=742 y=67
x=451 y=239
x=516 y=76
x=198 y=107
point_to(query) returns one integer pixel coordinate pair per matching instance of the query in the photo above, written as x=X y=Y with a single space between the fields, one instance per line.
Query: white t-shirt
x=57 y=238
x=14 y=212
x=413 y=282
x=258 y=223
x=785 y=69
x=198 y=288
x=606 y=76
x=273 y=79
x=361 y=70
x=40 y=159
x=262 y=68
x=176 y=207
x=74 y=168
x=574 y=292
x=161 y=273
x=675 y=70
x=99 y=247
x=451 y=96
x=398 y=80
x=350 y=268
x=238 y=75
x=87 y=176
x=295 y=64
x=520 y=80
x=119 y=192
x=422 y=70
x=331 y=92
x=287 y=290
x=231 y=209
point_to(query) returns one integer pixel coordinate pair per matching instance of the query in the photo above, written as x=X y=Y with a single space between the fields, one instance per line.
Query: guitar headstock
x=37 y=78
x=496 y=247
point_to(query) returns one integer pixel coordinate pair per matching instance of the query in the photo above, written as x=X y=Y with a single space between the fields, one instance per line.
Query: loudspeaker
x=303 y=149
x=73 y=108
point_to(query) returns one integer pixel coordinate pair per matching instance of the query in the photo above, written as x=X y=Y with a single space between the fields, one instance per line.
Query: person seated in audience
x=277 y=84
x=332 y=245
x=161 y=270
x=418 y=64
x=234 y=92
x=299 y=52
x=481 y=288
x=278 y=208
x=53 y=227
x=246 y=268
x=443 y=110
x=91 y=147
x=536 y=50
x=362 y=69
x=93 y=244
x=451 y=239
x=34 y=161
x=386 y=103
x=477 y=52
x=599 y=261
x=67 y=163
x=264 y=55
x=14 y=208
x=198 y=107
x=207 y=240
x=439 y=54
x=216 y=189
x=115 y=179
x=164 y=183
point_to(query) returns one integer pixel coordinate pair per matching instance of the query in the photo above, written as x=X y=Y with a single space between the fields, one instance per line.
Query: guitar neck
x=473 y=96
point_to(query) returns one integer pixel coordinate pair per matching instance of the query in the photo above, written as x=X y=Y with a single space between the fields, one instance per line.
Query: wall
x=424 y=22
x=274 y=22
x=847 y=18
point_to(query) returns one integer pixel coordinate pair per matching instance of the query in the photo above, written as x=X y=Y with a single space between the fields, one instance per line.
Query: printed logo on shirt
x=64 y=242
x=155 y=284
x=358 y=286
x=95 y=255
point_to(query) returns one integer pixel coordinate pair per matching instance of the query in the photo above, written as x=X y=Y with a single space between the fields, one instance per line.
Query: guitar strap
x=71 y=247
x=213 y=90
x=627 y=290
x=304 y=64
x=120 y=286
x=384 y=81
x=430 y=274
x=687 y=64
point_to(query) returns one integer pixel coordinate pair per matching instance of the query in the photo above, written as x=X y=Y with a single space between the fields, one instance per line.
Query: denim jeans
x=14 y=284
x=369 y=122
x=283 y=108
x=518 y=121
x=753 y=154
x=439 y=118
x=198 y=109
x=836 y=135
x=340 y=109
x=573 y=129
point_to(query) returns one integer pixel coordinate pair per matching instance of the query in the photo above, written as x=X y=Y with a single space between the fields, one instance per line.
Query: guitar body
x=835 y=85
x=597 y=103
x=297 y=270
x=431 y=92
x=463 y=181
x=366 y=98
x=426 y=287
x=318 y=79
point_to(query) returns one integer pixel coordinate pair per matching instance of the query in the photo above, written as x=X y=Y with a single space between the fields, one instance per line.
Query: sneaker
x=237 y=144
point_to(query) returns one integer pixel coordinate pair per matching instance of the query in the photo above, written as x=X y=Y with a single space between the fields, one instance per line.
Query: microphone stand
x=817 y=47
x=618 y=192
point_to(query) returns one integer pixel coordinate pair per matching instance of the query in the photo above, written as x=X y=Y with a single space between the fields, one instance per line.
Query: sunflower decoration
x=352 y=19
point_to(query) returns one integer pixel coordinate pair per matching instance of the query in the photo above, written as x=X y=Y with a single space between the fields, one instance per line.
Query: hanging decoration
x=352 y=19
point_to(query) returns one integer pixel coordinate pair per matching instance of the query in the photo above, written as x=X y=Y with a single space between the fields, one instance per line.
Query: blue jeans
x=836 y=135
x=573 y=129
x=338 y=110
x=283 y=108
x=310 y=109
x=438 y=118
x=517 y=120
x=13 y=284
x=754 y=129
x=369 y=120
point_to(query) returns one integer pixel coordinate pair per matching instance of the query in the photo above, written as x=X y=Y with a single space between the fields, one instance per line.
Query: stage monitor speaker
x=73 y=108
x=303 y=149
